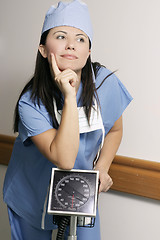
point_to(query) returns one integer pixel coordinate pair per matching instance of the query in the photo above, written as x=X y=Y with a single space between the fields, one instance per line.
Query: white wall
x=127 y=38
x=128 y=217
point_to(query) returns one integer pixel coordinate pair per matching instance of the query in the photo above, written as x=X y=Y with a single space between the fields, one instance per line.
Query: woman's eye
x=80 y=39
x=60 y=37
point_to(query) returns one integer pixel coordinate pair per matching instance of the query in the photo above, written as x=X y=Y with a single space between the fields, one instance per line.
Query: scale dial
x=72 y=192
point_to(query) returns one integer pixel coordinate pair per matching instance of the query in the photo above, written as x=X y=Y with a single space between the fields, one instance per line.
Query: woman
x=92 y=101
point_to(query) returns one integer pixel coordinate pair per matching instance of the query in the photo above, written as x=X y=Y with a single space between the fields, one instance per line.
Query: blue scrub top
x=28 y=174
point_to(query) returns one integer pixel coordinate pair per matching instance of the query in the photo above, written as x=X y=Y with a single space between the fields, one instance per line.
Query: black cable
x=62 y=224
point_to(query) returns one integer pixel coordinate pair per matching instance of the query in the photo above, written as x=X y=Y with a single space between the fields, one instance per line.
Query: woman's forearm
x=110 y=147
x=66 y=142
x=61 y=146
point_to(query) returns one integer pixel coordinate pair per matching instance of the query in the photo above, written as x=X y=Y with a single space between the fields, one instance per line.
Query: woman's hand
x=66 y=80
x=105 y=181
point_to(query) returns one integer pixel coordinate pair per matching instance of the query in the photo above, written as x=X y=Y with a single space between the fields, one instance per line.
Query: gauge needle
x=78 y=196
x=72 y=200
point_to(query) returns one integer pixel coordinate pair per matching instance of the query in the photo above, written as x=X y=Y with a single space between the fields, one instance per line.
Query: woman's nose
x=70 y=45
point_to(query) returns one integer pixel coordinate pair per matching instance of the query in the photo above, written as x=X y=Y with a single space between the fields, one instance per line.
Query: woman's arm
x=109 y=149
x=61 y=146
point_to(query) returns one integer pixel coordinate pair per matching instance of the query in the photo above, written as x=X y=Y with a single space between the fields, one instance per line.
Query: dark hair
x=44 y=89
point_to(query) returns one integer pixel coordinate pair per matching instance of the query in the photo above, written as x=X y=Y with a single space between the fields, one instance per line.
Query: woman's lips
x=69 y=56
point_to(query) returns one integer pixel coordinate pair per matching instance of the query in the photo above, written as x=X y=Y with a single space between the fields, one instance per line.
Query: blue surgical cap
x=73 y=14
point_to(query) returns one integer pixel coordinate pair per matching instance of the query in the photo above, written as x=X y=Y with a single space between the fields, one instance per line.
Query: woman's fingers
x=105 y=182
x=65 y=80
x=67 y=76
x=55 y=68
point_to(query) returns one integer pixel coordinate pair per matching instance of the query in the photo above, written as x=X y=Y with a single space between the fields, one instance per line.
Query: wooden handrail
x=130 y=175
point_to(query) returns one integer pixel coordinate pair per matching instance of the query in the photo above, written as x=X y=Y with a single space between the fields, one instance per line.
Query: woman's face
x=70 y=47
